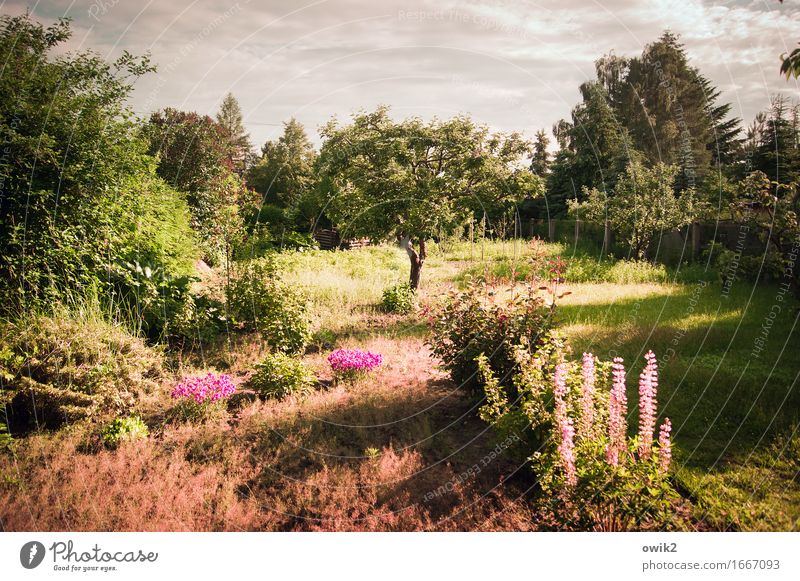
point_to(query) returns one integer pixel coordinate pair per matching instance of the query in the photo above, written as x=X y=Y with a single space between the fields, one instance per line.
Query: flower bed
x=350 y=364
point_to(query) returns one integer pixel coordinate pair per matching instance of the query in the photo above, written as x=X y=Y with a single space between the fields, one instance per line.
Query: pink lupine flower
x=586 y=421
x=648 y=388
x=566 y=450
x=664 y=445
x=204 y=388
x=617 y=413
x=565 y=426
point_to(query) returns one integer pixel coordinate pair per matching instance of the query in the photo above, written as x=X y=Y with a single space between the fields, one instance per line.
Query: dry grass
x=360 y=457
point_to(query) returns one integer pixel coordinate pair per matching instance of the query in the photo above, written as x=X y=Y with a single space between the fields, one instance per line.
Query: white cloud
x=513 y=65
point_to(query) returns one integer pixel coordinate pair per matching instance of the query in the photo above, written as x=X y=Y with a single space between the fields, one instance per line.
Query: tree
x=193 y=157
x=671 y=111
x=239 y=148
x=643 y=204
x=414 y=180
x=773 y=142
x=78 y=192
x=596 y=149
x=771 y=209
x=540 y=164
x=285 y=175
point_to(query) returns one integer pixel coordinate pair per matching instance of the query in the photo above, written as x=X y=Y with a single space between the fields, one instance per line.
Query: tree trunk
x=416 y=258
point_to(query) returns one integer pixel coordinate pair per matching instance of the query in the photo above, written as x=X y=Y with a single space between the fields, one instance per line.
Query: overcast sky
x=514 y=65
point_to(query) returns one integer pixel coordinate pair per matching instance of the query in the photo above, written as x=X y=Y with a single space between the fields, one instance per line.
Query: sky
x=513 y=65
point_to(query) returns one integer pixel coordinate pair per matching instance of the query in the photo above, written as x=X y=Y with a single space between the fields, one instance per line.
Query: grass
x=368 y=456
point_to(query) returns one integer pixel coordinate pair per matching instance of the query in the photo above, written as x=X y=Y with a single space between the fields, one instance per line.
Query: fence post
x=607 y=235
x=551 y=229
x=696 y=241
x=577 y=231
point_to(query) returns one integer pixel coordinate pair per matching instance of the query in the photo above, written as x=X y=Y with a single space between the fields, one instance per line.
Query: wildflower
x=648 y=387
x=565 y=426
x=586 y=421
x=204 y=388
x=664 y=445
x=617 y=412
x=354 y=360
x=566 y=450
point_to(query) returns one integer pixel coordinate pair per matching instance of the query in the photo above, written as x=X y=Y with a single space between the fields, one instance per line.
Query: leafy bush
x=123 y=430
x=399 y=299
x=259 y=300
x=351 y=364
x=6 y=441
x=72 y=366
x=480 y=321
x=201 y=396
x=279 y=375
x=592 y=475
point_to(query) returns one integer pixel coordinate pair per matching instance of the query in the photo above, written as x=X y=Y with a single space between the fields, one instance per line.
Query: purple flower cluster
x=204 y=388
x=353 y=360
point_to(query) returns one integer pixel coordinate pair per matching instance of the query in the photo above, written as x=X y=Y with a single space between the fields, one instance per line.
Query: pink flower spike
x=586 y=422
x=617 y=414
x=648 y=388
x=664 y=445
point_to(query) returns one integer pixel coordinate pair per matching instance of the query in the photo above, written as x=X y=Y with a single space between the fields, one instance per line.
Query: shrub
x=6 y=441
x=352 y=364
x=123 y=430
x=72 y=366
x=479 y=320
x=201 y=396
x=280 y=375
x=259 y=300
x=400 y=299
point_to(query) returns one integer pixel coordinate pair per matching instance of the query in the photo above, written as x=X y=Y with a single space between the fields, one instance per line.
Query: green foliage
x=480 y=320
x=123 y=430
x=635 y=495
x=643 y=203
x=771 y=210
x=72 y=366
x=6 y=441
x=279 y=375
x=195 y=157
x=258 y=299
x=414 y=181
x=400 y=299
x=79 y=190
x=285 y=175
x=239 y=148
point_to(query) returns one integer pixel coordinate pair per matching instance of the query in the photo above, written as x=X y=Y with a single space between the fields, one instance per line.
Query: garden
x=178 y=354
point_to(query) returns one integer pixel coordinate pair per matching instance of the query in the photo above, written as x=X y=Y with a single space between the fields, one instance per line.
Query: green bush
x=280 y=375
x=634 y=493
x=123 y=430
x=400 y=299
x=259 y=300
x=6 y=441
x=72 y=366
x=479 y=321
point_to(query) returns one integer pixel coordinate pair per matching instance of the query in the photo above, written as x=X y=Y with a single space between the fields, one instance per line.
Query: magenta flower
x=566 y=429
x=648 y=388
x=664 y=445
x=617 y=412
x=204 y=388
x=586 y=421
x=354 y=360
